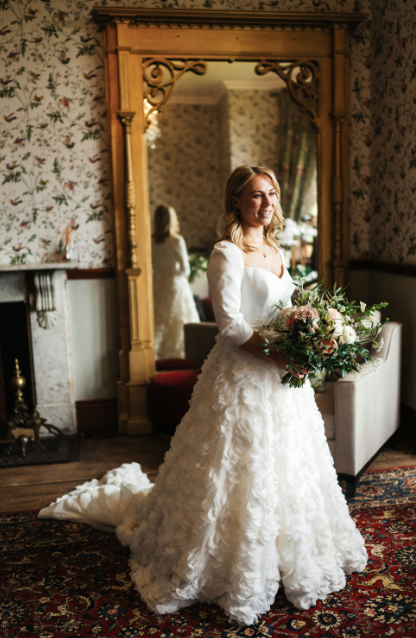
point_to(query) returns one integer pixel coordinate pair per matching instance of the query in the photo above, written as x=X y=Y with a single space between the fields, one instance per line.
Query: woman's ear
x=234 y=201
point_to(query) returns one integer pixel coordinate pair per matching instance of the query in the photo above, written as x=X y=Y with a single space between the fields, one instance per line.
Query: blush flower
x=305 y=312
x=328 y=346
x=337 y=321
x=290 y=315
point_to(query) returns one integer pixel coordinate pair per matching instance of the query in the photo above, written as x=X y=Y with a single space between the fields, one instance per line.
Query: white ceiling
x=208 y=88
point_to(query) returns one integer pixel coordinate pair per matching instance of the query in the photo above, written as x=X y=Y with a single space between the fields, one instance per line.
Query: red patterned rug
x=62 y=579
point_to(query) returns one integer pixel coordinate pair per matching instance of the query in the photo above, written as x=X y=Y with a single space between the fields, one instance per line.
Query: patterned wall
x=184 y=169
x=53 y=151
x=253 y=121
x=393 y=150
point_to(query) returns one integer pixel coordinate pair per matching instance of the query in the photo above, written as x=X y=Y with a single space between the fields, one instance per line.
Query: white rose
x=348 y=335
x=336 y=323
x=370 y=321
x=362 y=306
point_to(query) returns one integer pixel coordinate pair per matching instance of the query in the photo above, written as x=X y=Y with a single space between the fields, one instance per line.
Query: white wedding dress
x=247 y=498
x=172 y=297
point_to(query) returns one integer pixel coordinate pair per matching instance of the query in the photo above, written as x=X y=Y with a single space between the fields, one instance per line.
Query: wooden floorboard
x=34 y=487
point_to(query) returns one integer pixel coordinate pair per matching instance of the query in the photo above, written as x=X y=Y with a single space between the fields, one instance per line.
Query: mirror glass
x=211 y=124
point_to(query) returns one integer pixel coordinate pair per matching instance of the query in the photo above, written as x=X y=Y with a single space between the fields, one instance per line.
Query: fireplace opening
x=14 y=344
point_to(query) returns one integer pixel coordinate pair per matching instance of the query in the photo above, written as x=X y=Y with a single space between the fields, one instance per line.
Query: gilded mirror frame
x=133 y=38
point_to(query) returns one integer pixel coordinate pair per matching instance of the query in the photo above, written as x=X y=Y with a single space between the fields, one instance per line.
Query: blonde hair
x=165 y=222
x=229 y=224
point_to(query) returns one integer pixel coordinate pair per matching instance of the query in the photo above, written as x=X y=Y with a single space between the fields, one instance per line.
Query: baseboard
x=97 y=416
x=408 y=421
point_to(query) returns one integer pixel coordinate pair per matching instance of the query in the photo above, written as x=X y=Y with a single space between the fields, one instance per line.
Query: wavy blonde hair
x=229 y=224
x=165 y=223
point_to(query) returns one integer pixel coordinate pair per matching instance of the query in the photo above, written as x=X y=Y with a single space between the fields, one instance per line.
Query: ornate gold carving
x=301 y=77
x=126 y=118
x=250 y=20
x=337 y=186
x=133 y=275
x=160 y=76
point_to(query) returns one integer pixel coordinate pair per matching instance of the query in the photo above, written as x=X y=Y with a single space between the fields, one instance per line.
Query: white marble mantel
x=43 y=286
x=44 y=265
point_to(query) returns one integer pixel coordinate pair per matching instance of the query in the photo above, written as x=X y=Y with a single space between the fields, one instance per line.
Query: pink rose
x=303 y=313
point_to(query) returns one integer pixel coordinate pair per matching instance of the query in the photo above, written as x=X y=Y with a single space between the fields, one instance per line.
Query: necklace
x=263 y=252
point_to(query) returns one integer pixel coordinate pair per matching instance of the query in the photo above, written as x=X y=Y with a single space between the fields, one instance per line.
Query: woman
x=247 y=496
x=172 y=297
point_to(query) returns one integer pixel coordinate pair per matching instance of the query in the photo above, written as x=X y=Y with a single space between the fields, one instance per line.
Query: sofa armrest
x=367 y=406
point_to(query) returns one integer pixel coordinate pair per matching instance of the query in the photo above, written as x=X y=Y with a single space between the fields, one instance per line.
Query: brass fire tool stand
x=22 y=419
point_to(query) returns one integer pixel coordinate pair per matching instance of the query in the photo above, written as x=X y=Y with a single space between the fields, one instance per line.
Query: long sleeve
x=225 y=274
x=184 y=268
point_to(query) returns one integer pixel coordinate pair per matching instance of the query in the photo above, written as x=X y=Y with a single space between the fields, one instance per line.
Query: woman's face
x=257 y=202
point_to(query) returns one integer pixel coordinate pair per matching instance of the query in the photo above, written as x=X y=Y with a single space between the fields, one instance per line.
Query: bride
x=247 y=498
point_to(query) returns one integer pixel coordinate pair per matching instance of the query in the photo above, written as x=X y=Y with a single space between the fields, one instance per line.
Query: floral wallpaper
x=253 y=120
x=184 y=169
x=54 y=166
x=393 y=149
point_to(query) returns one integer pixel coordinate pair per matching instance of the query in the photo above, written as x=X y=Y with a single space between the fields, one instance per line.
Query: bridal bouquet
x=322 y=331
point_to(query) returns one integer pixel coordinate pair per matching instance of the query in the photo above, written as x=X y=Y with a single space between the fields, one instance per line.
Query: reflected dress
x=173 y=301
x=247 y=498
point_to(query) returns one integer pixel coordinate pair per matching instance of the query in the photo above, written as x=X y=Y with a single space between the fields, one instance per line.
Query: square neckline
x=256 y=267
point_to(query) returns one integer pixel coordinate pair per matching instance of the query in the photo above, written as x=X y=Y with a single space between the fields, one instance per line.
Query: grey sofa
x=361 y=412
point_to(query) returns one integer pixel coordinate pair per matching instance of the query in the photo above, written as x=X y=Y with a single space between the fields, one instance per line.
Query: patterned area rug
x=62 y=579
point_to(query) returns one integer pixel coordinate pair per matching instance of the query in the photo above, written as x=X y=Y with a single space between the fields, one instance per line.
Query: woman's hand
x=282 y=362
x=256 y=344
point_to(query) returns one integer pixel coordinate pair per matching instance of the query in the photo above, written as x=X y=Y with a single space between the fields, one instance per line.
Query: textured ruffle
x=247 y=498
x=174 y=306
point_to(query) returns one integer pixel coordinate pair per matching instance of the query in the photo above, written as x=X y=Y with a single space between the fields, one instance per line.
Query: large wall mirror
x=214 y=121
x=193 y=94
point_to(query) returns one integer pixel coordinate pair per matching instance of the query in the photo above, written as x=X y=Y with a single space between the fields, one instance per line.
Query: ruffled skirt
x=247 y=499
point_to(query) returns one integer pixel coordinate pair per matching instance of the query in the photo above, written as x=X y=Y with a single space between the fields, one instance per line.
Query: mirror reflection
x=212 y=124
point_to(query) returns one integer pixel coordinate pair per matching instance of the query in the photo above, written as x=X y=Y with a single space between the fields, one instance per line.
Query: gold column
x=140 y=344
x=339 y=118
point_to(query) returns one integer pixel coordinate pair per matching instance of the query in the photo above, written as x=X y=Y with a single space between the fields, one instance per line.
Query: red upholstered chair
x=168 y=396
x=166 y=365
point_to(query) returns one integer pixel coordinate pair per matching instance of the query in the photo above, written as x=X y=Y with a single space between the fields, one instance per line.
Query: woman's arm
x=184 y=267
x=256 y=344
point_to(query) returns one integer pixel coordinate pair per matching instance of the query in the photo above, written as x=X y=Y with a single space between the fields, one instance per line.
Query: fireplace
x=35 y=329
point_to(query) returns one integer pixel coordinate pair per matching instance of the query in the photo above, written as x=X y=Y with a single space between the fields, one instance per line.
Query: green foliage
x=10 y=178
x=87 y=49
x=57 y=170
x=50 y=30
x=92 y=134
x=8 y=92
x=60 y=199
x=56 y=116
x=198 y=263
x=52 y=84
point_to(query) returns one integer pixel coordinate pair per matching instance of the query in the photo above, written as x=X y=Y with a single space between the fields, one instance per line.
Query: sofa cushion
x=326 y=405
